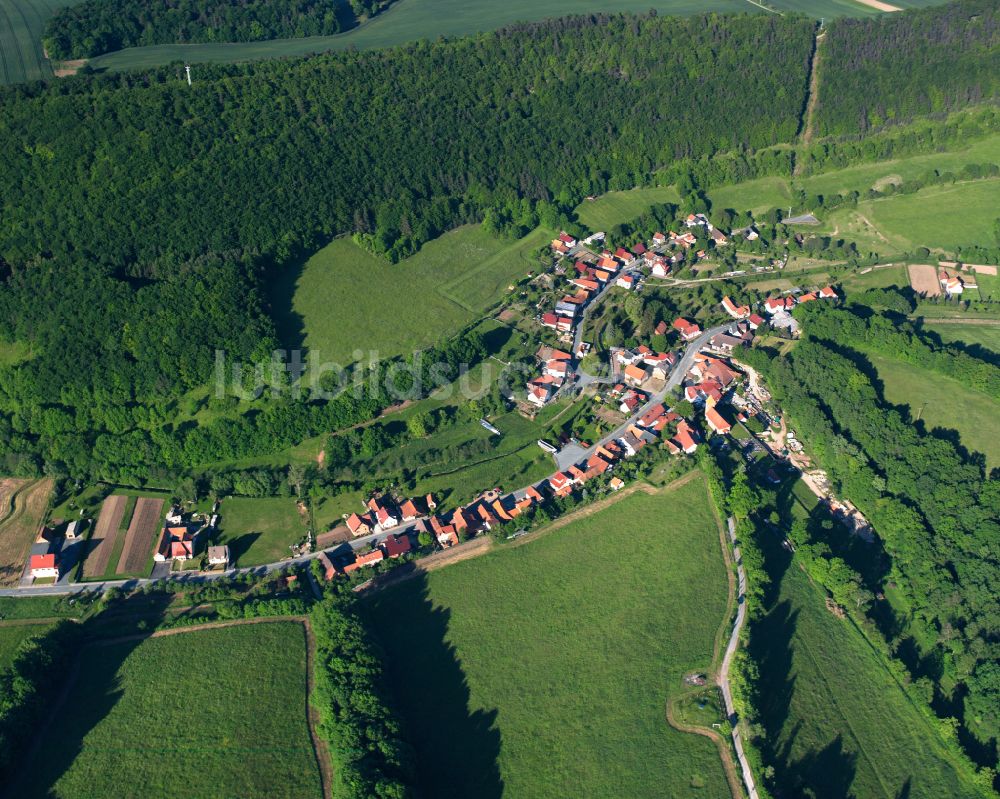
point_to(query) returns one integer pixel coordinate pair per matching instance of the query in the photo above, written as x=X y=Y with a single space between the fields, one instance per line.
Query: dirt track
x=142 y=530
x=102 y=541
x=924 y=279
x=878 y=4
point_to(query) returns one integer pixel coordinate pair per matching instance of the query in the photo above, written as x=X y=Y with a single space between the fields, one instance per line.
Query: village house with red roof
x=688 y=330
x=43 y=566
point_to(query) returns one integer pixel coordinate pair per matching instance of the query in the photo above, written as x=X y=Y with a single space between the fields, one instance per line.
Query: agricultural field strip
x=17 y=532
x=142 y=530
x=105 y=535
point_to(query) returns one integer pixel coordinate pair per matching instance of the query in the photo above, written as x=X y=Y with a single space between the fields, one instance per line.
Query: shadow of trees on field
x=77 y=698
x=458 y=748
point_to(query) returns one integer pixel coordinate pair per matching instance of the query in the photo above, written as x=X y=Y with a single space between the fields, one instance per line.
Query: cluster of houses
x=779 y=309
x=641 y=365
x=556 y=367
x=384 y=513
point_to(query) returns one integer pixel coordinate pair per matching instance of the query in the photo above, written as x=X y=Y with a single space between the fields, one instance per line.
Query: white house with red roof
x=567 y=239
x=775 y=304
x=827 y=293
x=43 y=566
x=659 y=239
x=688 y=330
x=626 y=282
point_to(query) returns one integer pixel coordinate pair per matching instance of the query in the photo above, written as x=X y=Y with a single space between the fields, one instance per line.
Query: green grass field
x=550 y=664
x=840 y=723
x=259 y=529
x=939 y=401
x=987 y=336
x=22 y=23
x=210 y=713
x=617 y=207
x=346 y=299
x=409 y=20
x=937 y=217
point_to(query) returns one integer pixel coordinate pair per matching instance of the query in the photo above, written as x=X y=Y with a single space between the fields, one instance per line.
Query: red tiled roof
x=396 y=545
x=43 y=562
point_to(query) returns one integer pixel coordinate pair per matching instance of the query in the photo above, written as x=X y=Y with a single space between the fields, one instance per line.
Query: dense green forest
x=891 y=68
x=139 y=216
x=101 y=26
x=932 y=504
x=397 y=144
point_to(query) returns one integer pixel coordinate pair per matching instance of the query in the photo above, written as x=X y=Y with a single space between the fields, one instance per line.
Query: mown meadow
x=210 y=713
x=550 y=663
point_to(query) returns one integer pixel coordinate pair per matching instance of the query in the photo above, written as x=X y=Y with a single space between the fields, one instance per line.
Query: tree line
x=94 y=27
x=395 y=144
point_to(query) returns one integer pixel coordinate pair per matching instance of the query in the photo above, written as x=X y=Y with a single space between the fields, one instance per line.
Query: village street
x=572 y=453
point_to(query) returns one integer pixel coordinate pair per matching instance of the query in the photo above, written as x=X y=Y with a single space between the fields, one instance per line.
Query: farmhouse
x=43 y=566
x=329 y=570
x=827 y=293
x=560 y=485
x=73 y=531
x=952 y=284
x=368 y=559
x=718 y=237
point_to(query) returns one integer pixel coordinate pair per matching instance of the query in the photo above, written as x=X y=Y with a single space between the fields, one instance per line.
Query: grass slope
x=937 y=217
x=209 y=713
x=345 y=299
x=940 y=401
x=550 y=664
x=409 y=20
x=841 y=725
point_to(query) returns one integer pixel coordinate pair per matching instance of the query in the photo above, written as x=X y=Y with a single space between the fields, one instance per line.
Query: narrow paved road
x=727 y=661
